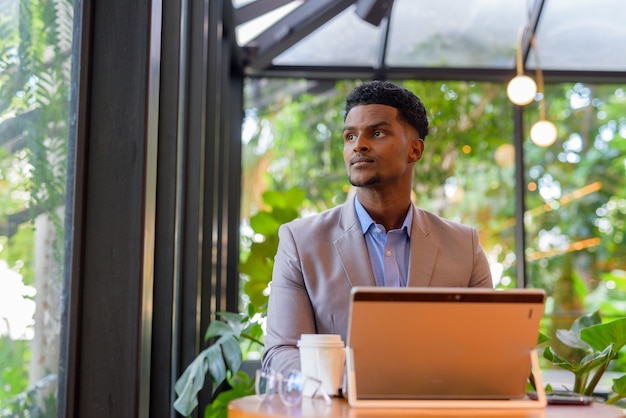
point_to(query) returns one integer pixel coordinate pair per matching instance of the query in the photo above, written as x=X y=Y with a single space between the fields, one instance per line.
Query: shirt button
x=388 y=253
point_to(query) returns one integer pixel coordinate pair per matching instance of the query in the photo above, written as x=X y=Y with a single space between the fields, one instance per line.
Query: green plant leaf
x=190 y=383
x=264 y=223
x=254 y=331
x=601 y=335
x=292 y=198
x=595 y=359
x=295 y=196
x=283 y=215
x=542 y=338
x=571 y=339
x=551 y=355
x=619 y=386
x=217 y=365
x=232 y=353
x=274 y=198
x=236 y=321
x=220 y=359
x=255 y=291
x=258 y=265
x=585 y=321
x=232 y=327
x=241 y=385
x=218 y=329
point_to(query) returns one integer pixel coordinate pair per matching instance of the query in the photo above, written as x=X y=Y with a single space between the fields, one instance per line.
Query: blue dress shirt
x=388 y=251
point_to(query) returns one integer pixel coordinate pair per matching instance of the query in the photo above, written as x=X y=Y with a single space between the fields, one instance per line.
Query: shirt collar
x=366 y=220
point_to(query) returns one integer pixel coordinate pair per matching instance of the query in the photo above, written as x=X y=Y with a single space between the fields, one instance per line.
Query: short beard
x=370 y=182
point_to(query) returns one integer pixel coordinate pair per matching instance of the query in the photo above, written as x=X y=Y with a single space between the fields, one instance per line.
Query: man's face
x=379 y=150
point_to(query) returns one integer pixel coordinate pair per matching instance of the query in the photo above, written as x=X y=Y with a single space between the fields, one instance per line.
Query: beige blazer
x=320 y=258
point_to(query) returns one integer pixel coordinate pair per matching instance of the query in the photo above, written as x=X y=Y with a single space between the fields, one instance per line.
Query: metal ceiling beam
x=257 y=8
x=432 y=73
x=384 y=41
x=289 y=30
x=230 y=36
x=531 y=28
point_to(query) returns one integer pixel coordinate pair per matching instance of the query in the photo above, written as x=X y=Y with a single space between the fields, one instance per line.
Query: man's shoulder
x=429 y=220
x=328 y=217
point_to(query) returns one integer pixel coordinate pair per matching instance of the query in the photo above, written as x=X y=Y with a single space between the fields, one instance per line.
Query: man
x=378 y=238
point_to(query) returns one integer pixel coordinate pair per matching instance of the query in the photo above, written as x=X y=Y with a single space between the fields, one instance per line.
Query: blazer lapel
x=423 y=252
x=351 y=248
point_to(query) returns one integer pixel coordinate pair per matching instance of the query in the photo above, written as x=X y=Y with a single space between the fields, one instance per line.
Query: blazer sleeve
x=481 y=273
x=289 y=311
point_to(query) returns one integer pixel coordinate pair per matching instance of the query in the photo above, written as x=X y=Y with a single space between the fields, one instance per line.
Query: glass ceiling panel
x=345 y=40
x=572 y=35
x=249 y=30
x=582 y=35
x=423 y=33
x=452 y=33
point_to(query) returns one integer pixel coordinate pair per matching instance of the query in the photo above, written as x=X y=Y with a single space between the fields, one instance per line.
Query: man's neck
x=388 y=211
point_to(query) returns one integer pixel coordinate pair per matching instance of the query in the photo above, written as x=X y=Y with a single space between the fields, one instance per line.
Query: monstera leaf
x=221 y=360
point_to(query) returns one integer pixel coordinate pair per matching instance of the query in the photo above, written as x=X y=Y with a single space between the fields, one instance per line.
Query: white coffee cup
x=322 y=356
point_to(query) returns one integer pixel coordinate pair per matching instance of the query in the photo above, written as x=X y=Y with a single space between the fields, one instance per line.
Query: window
x=574 y=190
x=34 y=109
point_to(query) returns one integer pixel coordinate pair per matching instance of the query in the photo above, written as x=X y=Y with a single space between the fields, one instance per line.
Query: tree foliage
x=35 y=52
x=575 y=190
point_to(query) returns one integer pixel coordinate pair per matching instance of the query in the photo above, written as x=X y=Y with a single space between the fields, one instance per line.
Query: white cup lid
x=320 y=340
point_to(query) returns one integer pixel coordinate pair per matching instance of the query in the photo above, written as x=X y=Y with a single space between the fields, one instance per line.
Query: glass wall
x=575 y=191
x=576 y=202
x=35 y=51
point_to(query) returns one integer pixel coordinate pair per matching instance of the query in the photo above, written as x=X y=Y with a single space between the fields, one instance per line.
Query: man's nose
x=361 y=143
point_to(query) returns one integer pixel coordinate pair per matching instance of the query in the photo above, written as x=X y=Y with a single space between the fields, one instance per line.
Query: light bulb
x=521 y=90
x=543 y=133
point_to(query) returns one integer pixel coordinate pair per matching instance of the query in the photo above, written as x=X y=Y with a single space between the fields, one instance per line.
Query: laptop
x=443 y=347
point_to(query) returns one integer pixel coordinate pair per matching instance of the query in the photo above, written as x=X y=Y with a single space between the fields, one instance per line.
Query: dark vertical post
x=232 y=134
x=170 y=208
x=109 y=268
x=192 y=233
x=520 y=196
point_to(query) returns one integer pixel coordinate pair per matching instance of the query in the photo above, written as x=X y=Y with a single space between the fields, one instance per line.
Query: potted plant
x=223 y=358
x=222 y=361
x=600 y=344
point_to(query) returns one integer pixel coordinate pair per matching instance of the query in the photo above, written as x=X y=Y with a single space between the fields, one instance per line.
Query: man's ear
x=417 y=148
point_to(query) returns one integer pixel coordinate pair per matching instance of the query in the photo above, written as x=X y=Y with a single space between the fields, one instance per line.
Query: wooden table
x=252 y=407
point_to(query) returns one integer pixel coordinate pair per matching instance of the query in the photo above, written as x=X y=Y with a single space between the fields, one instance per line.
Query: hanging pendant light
x=543 y=133
x=522 y=90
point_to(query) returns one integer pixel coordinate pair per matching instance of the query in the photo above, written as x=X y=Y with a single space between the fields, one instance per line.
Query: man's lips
x=360 y=160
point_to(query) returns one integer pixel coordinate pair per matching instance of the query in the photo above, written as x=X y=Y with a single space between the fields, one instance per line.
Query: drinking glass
x=291 y=387
x=266 y=382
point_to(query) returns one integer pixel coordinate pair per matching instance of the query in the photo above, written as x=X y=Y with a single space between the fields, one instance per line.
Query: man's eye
x=378 y=134
x=349 y=137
